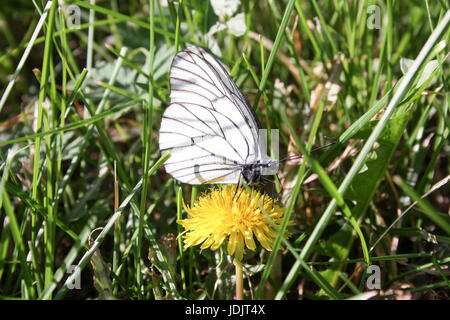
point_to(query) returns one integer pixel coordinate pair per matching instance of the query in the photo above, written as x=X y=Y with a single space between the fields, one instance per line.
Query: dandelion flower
x=220 y=217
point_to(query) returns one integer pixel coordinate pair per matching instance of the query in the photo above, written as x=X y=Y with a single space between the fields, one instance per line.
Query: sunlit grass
x=80 y=108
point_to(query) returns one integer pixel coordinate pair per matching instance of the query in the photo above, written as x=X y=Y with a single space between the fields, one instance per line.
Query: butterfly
x=209 y=128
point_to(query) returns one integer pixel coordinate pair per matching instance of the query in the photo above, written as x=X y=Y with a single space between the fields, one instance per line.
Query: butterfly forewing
x=209 y=127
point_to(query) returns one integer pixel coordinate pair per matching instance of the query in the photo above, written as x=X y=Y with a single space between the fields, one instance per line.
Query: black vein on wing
x=193 y=141
x=224 y=115
x=222 y=137
x=201 y=67
x=210 y=154
x=195 y=63
x=231 y=88
x=210 y=81
x=199 y=94
x=223 y=167
x=204 y=149
x=211 y=69
x=224 y=76
x=195 y=84
x=234 y=91
x=232 y=162
x=220 y=177
x=206 y=124
x=207 y=134
x=210 y=170
x=184 y=123
x=207 y=109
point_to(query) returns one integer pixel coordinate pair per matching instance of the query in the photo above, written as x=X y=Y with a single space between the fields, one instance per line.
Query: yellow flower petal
x=220 y=216
x=232 y=243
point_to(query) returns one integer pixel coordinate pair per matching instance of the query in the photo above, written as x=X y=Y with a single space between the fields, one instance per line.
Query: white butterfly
x=209 y=127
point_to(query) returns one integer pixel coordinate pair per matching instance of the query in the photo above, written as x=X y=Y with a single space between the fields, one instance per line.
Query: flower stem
x=239 y=280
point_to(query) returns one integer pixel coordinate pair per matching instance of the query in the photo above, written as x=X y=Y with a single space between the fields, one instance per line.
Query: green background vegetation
x=79 y=148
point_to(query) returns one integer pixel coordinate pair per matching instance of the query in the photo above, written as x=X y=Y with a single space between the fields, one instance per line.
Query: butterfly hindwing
x=209 y=127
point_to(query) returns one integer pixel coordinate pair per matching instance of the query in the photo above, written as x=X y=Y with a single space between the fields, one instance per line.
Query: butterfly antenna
x=300 y=156
x=325 y=146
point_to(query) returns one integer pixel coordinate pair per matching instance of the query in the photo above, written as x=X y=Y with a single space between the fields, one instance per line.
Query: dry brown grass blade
x=268 y=44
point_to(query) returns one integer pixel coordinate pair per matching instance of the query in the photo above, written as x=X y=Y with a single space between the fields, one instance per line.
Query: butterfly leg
x=262 y=182
x=238 y=185
x=242 y=189
x=274 y=193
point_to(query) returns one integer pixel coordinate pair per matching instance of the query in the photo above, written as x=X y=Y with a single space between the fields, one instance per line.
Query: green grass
x=96 y=196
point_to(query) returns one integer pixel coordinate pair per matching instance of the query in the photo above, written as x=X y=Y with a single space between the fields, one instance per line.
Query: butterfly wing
x=209 y=128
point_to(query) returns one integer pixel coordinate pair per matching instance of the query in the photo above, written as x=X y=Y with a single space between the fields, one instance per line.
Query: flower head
x=223 y=215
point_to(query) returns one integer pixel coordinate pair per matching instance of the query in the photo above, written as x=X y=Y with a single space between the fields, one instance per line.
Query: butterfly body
x=252 y=172
x=209 y=127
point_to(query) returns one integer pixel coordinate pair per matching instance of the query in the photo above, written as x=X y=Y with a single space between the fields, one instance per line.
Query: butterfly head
x=253 y=172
